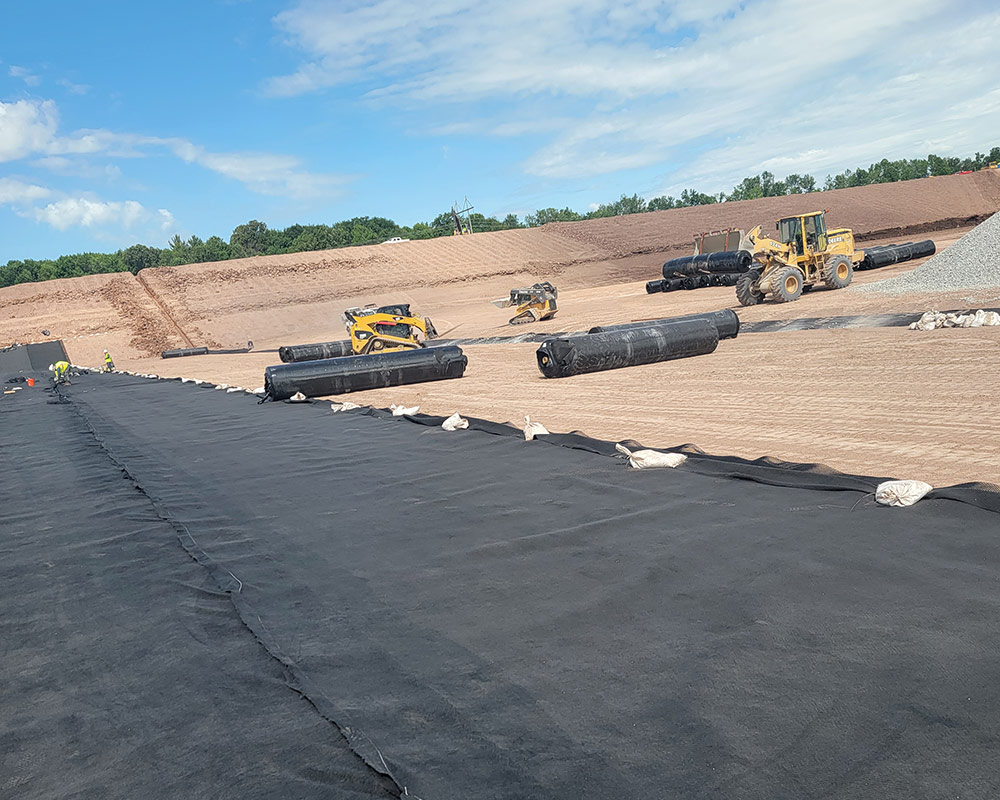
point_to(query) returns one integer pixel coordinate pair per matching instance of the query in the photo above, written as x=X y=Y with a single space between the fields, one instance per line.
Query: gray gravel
x=973 y=262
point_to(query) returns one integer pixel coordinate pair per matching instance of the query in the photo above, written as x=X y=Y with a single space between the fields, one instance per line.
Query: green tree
x=546 y=215
x=249 y=239
x=511 y=221
x=139 y=256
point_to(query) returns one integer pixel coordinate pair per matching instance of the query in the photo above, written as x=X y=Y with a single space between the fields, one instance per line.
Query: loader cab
x=806 y=233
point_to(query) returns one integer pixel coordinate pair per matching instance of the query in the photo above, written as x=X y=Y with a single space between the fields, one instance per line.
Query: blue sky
x=130 y=122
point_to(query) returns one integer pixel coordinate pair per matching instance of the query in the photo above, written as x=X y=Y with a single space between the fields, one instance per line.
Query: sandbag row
x=692 y=282
x=357 y=373
x=884 y=255
x=726 y=323
x=594 y=352
x=727 y=261
x=293 y=353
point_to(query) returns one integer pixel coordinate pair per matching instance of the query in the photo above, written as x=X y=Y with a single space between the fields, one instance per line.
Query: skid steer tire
x=745 y=292
x=787 y=285
x=838 y=272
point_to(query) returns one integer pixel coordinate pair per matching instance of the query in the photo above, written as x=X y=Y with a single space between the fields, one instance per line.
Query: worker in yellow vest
x=59 y=371
x=109 y=365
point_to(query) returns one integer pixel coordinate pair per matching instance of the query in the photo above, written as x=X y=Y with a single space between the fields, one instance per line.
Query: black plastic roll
x=725 y=321
x=576 y=355
x=725 y=261
x=884 y=255
x=671 y=284
x=184 y=351
x=293 y=353
x=652 y=287
x=357 y=373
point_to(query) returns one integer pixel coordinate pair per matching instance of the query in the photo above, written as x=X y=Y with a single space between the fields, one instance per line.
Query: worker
x=59 y=371
x=109 y=365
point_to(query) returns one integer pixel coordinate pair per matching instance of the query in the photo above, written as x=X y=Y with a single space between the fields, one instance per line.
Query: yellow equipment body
x=534 y=303
x=385 y=329
x=804 y=254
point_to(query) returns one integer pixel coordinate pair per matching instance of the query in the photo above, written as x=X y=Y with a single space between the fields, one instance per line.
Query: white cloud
x=26 y=127
x=25 y=75
x=73 y=88
x=31 y=128
x=82 y=212
x=613 y=85
x=14 y=192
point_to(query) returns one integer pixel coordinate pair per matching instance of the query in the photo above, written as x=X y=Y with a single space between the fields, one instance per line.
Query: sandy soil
x=878 y=401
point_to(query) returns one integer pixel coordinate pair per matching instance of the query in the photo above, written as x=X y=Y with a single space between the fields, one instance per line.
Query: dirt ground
x=875 y=401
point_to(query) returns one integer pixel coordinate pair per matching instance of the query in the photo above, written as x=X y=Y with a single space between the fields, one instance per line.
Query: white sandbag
x=222 y=386
x=455 y=423
x=259 y=390
x=651 y=459
x=298 y=397
x=533 y=429
x=232 y=389
x=901 y=493
x=931 y=320
x=345 y=406
x=400 y=411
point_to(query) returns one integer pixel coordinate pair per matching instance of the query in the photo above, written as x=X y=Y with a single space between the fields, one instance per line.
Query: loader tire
x=745 y=292
x=787 y=285
x=838 y=272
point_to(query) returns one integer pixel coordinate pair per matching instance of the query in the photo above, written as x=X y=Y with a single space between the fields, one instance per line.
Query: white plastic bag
x=651 y=459
x=533 y=429
x=901 y=493
x=298 y=397
x=400 y=411
x=345 y=406
x=455 y=423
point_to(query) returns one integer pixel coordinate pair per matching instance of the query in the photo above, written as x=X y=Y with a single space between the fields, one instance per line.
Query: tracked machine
x=805 y=254
x=533 y=303
x=385 y=329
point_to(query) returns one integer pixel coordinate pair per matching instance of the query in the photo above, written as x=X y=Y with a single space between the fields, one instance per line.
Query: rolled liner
x=897 y=253
x=184 y=351
x=726 y=323
x=725 y=261
x=293 y=353
x=576 y=355
x=357 y=373
x=652 y=287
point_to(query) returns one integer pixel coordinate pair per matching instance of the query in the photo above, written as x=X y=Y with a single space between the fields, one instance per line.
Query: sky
x=125 y=122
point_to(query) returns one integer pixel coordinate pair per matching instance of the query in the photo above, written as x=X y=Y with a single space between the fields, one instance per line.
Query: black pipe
x=357 y=373
x=575 y=355
x=725 y=261
x=726 y=323
x=184 y=351
x=293 y=353
x=652 y=287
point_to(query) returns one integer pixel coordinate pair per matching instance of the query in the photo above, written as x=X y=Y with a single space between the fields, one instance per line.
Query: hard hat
x=52 y=366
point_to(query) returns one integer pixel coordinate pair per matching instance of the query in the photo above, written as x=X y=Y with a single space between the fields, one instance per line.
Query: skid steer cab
x=804 y=254
x=384 y=329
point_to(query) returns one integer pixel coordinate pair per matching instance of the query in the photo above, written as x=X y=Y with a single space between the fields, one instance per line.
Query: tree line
x=254 y=238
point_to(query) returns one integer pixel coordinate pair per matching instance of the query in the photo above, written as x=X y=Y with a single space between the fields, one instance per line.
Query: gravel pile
x=973 y=262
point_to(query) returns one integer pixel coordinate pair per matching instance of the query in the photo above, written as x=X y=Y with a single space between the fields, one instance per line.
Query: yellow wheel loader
x=804 y=254
x=384 y=329
x=534 y=303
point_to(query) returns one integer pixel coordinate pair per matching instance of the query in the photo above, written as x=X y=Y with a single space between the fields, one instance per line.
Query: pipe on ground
x=184 y=351
x=357 y=373
x=576 y=355
x=293 y=353
x=725 y=321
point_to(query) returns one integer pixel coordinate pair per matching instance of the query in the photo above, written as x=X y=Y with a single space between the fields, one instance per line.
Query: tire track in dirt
x=140 y=278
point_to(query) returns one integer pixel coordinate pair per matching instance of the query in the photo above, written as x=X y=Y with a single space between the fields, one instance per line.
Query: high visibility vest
x=61 y=368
